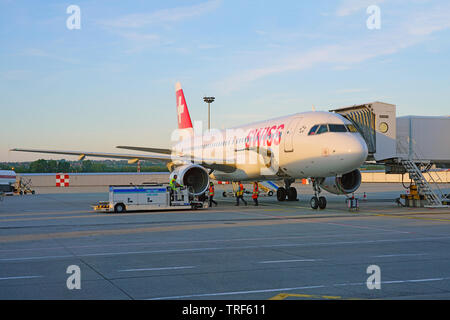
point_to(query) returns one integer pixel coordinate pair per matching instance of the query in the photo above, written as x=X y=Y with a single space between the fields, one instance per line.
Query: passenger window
x=337 y=128
x=313 y=130
x=323 y=128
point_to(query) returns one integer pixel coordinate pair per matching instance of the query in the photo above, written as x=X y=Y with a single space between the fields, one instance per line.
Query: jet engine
x=345 y=184
x=192 y=176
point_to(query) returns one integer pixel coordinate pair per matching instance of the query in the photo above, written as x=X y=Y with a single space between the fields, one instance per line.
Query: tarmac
x=281 y=251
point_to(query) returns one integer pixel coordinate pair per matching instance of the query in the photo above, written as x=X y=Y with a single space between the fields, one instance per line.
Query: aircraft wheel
x=292 y=194
x=270 y=193
x=314 y=203
x=322 y=202
x=281 y=194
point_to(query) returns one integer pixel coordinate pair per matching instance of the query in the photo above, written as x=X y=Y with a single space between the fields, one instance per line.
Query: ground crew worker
x=211 y=194
x=255 y=193
x=174 y=184
x=240 y=194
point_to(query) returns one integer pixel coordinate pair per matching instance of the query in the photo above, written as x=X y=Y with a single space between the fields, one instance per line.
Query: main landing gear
x=317 y=201
x=290 y=194
x=287 y=193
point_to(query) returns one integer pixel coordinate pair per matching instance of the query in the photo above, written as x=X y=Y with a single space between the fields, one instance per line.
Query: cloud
x=14 y=75
x=409 y=32
x=425 y=23
x=349 y=7
x=143 y=37
x=34 y=52
x=162 y=16
x=209 y=46
x=124 y=26
x=347 y=91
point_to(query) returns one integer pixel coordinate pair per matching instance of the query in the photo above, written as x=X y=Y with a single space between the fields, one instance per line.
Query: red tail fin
x=184 y=119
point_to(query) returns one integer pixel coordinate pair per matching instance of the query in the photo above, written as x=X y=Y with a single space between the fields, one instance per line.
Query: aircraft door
x=290 y=132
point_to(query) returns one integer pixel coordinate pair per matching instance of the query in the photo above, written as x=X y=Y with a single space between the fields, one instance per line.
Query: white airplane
x=322 y=146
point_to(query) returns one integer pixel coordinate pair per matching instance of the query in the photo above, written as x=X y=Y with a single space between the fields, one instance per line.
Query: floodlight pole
x=209 y=100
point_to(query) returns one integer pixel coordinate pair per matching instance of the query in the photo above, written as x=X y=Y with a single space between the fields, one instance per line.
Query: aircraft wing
x=145 y=149
x=83 y=154
x=132 y=158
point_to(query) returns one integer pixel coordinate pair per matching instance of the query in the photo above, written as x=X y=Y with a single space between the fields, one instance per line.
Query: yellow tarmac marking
x=92 y=214
x=75 y=234
x=409 y=217
x=281 y=220
x=282 y=296
x=89 y=214
x=25 y=214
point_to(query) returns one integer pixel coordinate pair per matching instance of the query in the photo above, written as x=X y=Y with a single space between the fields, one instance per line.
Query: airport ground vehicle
x=266 y=190
x=23 y=186
x=148 y=197
x=7 y=181
x=11 y=184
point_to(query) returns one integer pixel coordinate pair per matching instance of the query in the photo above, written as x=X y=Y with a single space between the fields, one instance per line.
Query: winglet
x=184 y=119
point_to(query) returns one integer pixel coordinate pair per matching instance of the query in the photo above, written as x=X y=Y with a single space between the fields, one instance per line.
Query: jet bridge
x=376 y=123
x=411 y=144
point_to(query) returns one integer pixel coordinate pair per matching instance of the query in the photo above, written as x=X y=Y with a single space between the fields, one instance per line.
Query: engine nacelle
x=192 y=176
x=348 y=183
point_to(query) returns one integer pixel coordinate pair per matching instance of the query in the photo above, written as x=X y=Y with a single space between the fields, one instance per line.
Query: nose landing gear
x=317 y=201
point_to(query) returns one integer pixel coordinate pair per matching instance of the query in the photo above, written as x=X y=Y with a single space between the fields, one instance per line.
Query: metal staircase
x=434 y=197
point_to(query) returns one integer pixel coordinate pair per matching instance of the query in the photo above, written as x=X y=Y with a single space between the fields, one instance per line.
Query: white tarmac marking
x=296 y=288
x=400 y=255
x=287 y=261
x=362 y=227
x=20 y=277
x=285 y=245
x=134 y=244
x=414 y=280
x=234 y=293
x=157 y=269
x=36 y=258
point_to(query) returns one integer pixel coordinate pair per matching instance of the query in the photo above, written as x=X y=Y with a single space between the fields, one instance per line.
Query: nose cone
x=350 y=153
x=355 y=151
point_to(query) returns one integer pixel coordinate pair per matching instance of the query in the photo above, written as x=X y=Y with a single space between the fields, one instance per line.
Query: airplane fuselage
x=284 y=147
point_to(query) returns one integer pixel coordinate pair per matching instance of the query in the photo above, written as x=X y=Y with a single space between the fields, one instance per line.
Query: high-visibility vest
x=241 y=190
x=172 y=184
x=255 y=191
x=211 y=190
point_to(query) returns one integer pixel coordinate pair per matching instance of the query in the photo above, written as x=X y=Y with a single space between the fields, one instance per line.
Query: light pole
x=209 y=100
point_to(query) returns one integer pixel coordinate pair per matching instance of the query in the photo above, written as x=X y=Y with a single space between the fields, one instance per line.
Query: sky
x=110 y=81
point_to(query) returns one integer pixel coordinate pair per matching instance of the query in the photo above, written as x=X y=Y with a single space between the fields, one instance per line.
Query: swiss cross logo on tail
x=184 y=119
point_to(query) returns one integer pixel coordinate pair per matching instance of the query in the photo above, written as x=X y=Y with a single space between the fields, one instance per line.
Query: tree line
x=55 y=166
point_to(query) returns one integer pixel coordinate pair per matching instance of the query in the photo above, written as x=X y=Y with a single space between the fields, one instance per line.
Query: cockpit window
x=351 y=128
x=331 y=127
x=313 y=130
x=337 y=128
x=323 y=128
